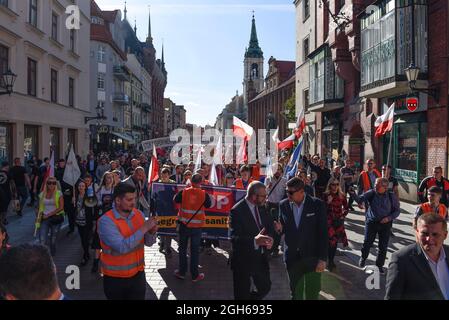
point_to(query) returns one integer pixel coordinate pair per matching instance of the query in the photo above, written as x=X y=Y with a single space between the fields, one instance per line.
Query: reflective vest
x=239 y=183
x=427 y=208
x=192 y=201
x=58 y=196
x=114 y=264
x=366 y=180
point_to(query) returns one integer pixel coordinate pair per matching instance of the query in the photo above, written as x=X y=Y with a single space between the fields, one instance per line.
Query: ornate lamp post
x=9 y=78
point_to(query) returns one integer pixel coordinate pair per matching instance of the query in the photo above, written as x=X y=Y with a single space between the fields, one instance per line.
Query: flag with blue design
x=292 y=167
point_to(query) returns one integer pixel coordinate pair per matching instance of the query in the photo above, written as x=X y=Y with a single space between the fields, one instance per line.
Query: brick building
x=362 y=57
x=279 y=87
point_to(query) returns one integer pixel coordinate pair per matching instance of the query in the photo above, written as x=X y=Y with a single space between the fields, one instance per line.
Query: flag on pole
x=242 y=156
x=72 y=171
x=213 y=177
x=242 y=129
x=287 y=143
x=292 y=166
x=300 y=124
x=384 y=123
x=198 y=161
x=153 y=172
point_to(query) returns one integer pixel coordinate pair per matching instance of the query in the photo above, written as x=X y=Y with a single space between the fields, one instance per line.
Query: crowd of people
x=302 y=215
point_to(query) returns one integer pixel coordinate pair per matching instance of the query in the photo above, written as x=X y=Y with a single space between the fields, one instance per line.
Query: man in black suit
x=421 y=271
x=251 y=229
x=303 y=220
x=178 y=177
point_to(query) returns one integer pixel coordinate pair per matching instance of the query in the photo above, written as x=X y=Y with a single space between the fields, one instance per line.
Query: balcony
x=326 y=91
x=387 y=47
x=120 y=98
x=121 y=73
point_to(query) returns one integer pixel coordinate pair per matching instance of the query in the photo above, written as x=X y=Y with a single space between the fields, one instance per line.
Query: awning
x=124 y=137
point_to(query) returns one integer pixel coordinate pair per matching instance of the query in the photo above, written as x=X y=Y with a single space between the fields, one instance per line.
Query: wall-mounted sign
x=412 y=103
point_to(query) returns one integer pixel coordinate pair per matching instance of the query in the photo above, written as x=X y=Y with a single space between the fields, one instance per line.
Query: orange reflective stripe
x=427 y=209
x=192 y=199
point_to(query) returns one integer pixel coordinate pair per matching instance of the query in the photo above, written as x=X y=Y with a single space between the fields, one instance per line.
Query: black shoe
x=381 y=270
x=362 y=263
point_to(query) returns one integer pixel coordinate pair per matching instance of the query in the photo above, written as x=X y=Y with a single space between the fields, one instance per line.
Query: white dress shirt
x=440 y=271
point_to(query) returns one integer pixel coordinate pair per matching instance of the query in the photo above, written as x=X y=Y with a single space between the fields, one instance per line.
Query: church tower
x=253 y=64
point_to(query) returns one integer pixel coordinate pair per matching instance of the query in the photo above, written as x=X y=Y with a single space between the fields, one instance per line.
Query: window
x=71 y=92
x=33 y=13
x=71 y=139
x=306 y=48
x=54 y=26
x=32 y=77
x=31 y=141
x=55 y=144
x=101 y=53
x=4 y=3
x=4 y=63
x=100 y=82
x=54 y=86
x=306 y=99
x=306 y=9
x=72 y=39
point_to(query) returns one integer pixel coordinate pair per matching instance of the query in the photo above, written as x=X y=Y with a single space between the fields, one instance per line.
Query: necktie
x=258 y=222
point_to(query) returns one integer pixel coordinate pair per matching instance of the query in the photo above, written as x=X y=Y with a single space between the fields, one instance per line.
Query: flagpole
x=389 y=148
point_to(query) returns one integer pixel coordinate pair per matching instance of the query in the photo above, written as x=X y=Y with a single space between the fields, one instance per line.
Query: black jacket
x=410 y=277
x=242 y=230
x=309 y=242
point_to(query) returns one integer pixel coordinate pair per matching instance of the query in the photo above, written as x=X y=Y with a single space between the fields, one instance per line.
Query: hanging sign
x=412 y=104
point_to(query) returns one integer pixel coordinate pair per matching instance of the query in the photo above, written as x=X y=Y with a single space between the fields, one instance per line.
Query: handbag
x=56 y=219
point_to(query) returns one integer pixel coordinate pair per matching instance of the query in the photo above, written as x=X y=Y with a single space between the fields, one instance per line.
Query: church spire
x=163 y=62
x=254 y=50
x=149 y=38
x=125 y=11
x=135 y=26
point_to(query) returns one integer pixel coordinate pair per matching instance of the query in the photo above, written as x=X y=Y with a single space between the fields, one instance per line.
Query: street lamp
x=9 y=78
x=412 y=73
x=100 y=115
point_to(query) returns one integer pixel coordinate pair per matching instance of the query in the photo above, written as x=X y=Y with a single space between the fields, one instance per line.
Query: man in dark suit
x=303 y=220
x=178 y=177
x=251 y=229
x=421 y=271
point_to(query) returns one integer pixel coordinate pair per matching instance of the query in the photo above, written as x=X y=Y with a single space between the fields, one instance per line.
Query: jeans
x=48 y=233
x=195 y=240
x=372 y=229
x=22 y=193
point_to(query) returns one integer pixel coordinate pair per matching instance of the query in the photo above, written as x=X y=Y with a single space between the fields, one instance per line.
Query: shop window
x=31 y=142
x=5 y=142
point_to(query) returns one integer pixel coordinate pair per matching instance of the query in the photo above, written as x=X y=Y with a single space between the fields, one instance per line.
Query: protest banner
x=217 y=216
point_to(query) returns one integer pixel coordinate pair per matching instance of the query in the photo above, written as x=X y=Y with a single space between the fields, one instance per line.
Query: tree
x=290 y=109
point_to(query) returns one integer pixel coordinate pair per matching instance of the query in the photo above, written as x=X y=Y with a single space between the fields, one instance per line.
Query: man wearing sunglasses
x=438 y=180
x=382 y=207
x=367 y=178
x=303 y=221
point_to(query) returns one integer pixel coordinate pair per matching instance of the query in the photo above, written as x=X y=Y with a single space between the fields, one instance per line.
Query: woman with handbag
x=83 y=220
x=337 y=210
x=51 y=213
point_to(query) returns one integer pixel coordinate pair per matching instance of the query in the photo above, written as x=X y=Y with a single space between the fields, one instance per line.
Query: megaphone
x=90 y=202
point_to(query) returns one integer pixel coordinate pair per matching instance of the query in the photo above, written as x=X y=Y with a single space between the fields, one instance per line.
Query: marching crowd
x=302 y=215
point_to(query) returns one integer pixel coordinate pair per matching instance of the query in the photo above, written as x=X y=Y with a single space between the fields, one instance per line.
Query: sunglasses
x=51 y=183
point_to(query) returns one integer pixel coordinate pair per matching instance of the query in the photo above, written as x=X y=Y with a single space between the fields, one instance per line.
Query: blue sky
x=205 y=42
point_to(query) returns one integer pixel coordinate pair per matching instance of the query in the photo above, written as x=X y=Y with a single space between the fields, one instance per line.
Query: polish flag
x=153 y=172
x=287 y=143
x=300 y=124
x=384 y=123
x=242 y=129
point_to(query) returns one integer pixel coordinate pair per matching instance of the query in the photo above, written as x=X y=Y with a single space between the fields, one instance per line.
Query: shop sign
x=357 y=141
x=2 y=131
x=406 y=175
x=103 y=129
x=412 y=104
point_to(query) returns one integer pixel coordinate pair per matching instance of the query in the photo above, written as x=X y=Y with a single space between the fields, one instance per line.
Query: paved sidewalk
x=347 y=282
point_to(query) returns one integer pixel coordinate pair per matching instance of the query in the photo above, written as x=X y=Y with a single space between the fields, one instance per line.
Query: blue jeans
x=22 y=192
x=195 y=239
x=48 y=233
x=372 y=229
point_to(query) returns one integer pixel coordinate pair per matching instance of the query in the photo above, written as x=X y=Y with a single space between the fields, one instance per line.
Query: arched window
x=255 y=70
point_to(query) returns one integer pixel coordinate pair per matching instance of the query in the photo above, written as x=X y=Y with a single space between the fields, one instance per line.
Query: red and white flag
x=300 y=124
x=384 y=123
x=242 y=129
x=153 y=172
x=287 y=143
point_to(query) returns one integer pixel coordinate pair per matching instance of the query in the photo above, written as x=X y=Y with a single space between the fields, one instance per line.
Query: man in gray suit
x=421 y=271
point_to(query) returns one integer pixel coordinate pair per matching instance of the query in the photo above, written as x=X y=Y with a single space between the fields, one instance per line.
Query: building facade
x=279 y=87
x=111 y=77
x=174 y=117
x=362 y=57
x=50 y=100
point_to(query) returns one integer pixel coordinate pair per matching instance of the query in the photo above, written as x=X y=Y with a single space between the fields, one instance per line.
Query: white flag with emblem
x=72 y=172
